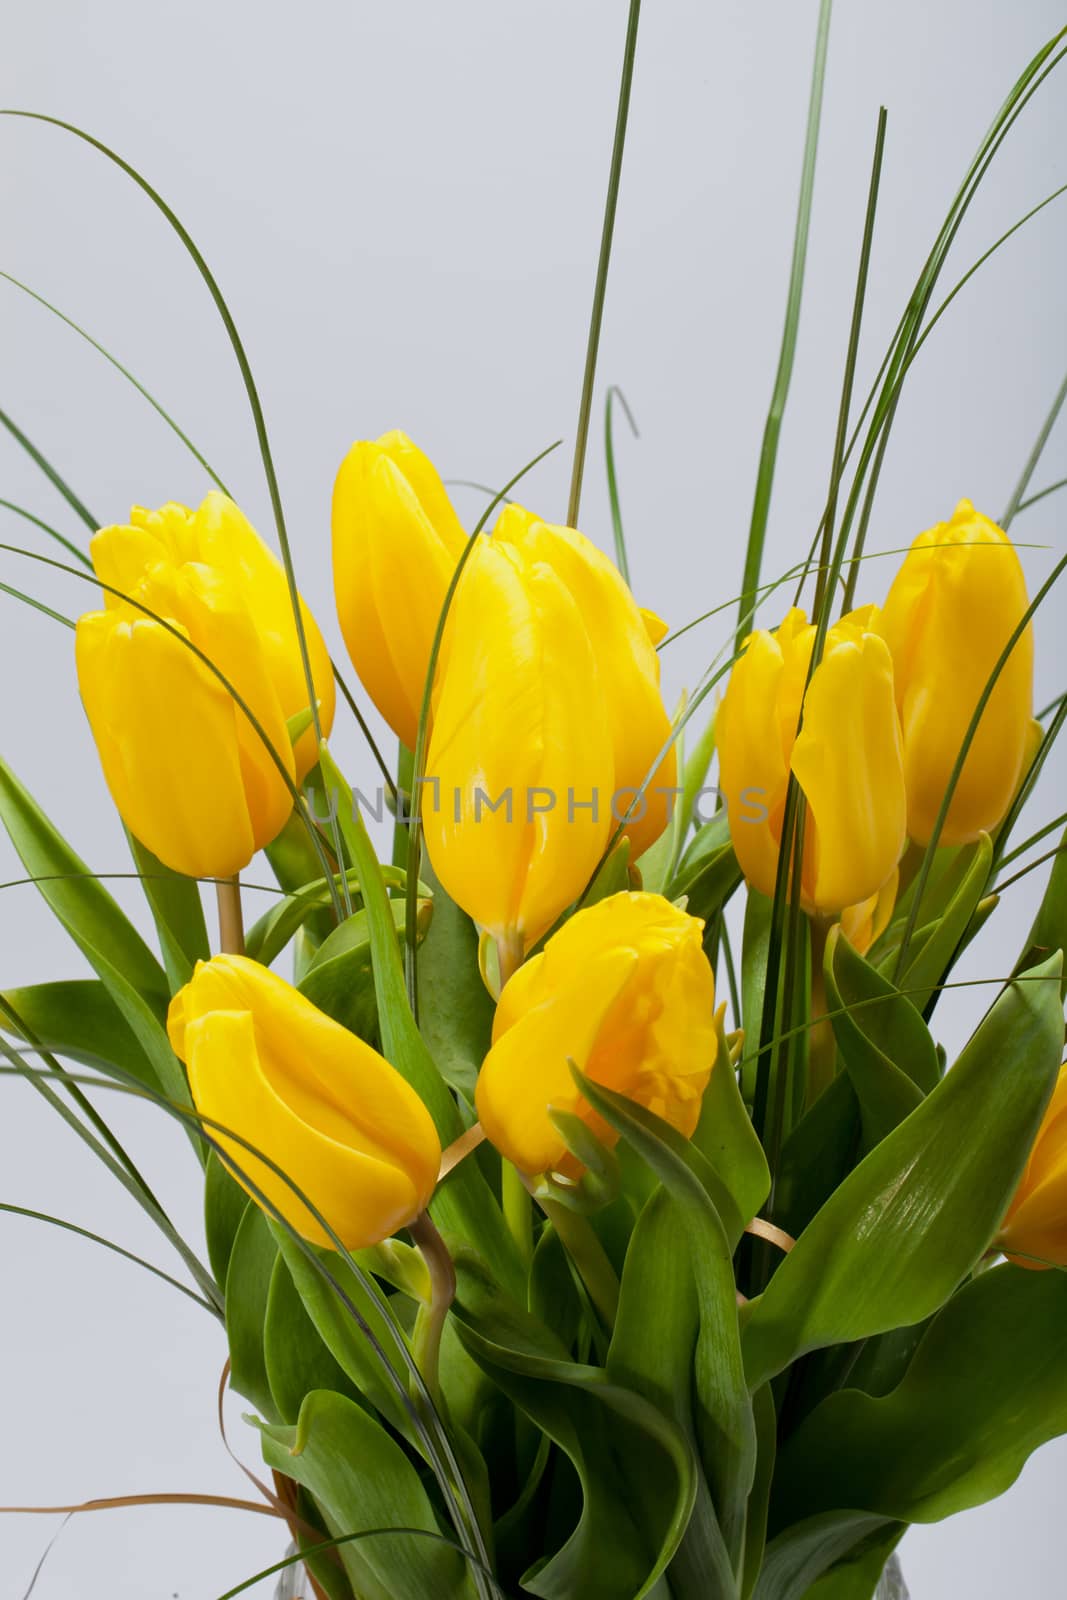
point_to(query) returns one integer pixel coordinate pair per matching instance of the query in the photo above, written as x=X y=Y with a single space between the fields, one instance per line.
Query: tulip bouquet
x=589 y=1211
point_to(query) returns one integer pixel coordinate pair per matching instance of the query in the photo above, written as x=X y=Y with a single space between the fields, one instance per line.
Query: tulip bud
x=396 y=541
x=625 y=991
x=517 y=808
x=187 y=770
x=622 y=639
x=952 y=608
x=847 y=758
x=331 y=1112
x=1034 y=1231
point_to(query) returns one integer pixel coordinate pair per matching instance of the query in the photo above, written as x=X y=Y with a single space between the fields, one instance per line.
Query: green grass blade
x=581 y=438
x=126 y=373
x=53 y=533
x=614 y=393
x=1034 y=457
x=77 y=506
x=38 y=605
x=1032 y=499
x=761 y=506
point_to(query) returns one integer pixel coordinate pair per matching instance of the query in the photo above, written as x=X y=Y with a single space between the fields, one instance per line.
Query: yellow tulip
x=396 y=541
x=625 y=991
x=309 y=1095
x=188 y=772
x=847 y=758
x=517 y=808
x=951 y=610
x=864 y=923
x=1034 y=1231
x=622 y=637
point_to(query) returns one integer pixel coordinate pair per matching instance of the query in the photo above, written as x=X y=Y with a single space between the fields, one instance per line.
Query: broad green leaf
x=225 y=1204
x=658 y=1273
x=295 y=1358
x=247 y=1287
x=463 y=1208
x=635 y=1467
x=708 y=874
x=1049 y=931
x=269 y=935
x=78 y=1018
x=725 y=1428
x=726 y=1137
x=986 y=1387
x=759 y=1500
x=931 y=953
x=915 y=1216
x=613 y=874
x=456 y=1010
x=859 y=1575
x=365 y=1362
x=177 y=912
x=339 y=978
x=799 y=1556
x=883 y=1044
x=818 y=1155
x=79 y=901
x=361 y=1478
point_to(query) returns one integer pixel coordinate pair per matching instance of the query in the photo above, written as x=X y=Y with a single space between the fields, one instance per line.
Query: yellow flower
x=952 y=608
x=190 y=775
x=396 y=541
x=847 y=759
x=625 y=991
x=331 y=1112
x=622 y=637
x=517 y=809
x=1036 y=1222
x=864 y=923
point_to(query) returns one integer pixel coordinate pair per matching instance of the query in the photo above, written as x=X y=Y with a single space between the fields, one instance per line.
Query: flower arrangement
x=545 y=1268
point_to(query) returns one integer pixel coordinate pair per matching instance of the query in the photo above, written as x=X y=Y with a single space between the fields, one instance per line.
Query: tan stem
x=231 y=917
x=460 y=1148
x=768 y=1231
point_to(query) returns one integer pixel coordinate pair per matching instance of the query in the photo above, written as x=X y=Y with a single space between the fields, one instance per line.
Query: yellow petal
x=165 y=731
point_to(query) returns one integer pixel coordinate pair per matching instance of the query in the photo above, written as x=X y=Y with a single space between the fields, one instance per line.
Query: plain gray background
x=402 y=204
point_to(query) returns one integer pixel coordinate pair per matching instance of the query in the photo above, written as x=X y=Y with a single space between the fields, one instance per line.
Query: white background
x=402 y=205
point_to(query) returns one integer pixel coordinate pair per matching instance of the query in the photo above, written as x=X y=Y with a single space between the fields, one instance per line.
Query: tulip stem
x=518 y=1210
x=430 y=1320
x=231 y=917
x=579 y=1239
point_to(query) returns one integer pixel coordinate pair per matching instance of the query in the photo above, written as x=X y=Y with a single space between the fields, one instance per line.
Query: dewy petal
x=362 y=1197
x=165 y=730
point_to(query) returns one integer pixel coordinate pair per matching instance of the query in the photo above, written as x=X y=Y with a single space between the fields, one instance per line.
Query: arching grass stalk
x=614 y=392
x=585 y=406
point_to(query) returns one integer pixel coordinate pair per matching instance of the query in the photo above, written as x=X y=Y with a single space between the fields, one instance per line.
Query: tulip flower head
x=189 y=773
x=847 y=758
x=518 y=807
x=952 y=608
x=625 y=991
x=622 y=638
x=328 y=1109
x=396 y=541
x=1034 y=1231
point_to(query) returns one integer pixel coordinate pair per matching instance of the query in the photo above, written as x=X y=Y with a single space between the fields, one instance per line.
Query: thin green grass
x=615 y=393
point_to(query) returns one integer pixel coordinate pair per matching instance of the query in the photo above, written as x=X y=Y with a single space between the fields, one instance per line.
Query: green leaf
x=759 y=1500
x=635 y=1467
x=613 y=874
x=755 y=947
x=174 y=902
x=708 y=873
x=986 y=1387
x=269 y=935
x=247 y=1287
x=295 y=1358
x=884 y=1044
x=726 y=1137
x=456 y=1010
x=79 y=901
x=914 y=1217
x=1049 y=931
x=361 y=1479
x=858 y=1575
x=797 y=1558
x=724 y=1422
x=77 y=1017
x=818 y=1155
x=339 y=978
x=952 y=904
x=658 y=1272
x=225 y=1203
